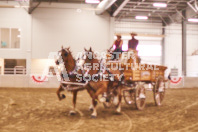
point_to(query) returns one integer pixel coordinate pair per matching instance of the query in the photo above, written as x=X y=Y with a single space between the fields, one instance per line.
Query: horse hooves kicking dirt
x=93 y=117
x=72 y=113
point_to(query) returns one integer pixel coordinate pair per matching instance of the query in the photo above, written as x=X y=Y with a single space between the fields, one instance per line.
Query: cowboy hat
x=133 y=33
x=118 y=35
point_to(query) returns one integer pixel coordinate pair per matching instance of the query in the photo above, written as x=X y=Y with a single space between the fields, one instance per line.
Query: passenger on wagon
x=118 y=47
x=133 y=43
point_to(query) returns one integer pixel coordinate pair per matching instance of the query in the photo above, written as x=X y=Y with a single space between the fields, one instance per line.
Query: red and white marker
x=176 y=80
x=39 y=78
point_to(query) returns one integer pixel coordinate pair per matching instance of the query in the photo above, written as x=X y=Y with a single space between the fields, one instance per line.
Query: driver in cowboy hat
x=133 y=43
x=118 y=43
x=118 y=46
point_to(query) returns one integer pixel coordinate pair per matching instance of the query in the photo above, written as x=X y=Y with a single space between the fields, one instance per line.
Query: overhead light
x=160 y=4
x=92 y=1
x=193 y=19
x=141 y=17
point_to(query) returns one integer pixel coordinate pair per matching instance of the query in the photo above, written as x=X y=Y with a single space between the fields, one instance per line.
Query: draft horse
x=65 y=56
x=96 y=86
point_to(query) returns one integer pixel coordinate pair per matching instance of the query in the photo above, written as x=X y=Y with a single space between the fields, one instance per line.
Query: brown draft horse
x=69 y=63
x=96 y=88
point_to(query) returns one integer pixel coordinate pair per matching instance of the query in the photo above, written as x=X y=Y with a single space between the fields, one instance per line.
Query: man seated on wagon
x=118 y=47
x=133 y=43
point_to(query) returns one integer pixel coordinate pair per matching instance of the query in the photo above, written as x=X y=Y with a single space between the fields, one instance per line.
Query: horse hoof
x=93 y=116
x=72 y=113
x=118 y=113
x=90 y=109
x=63 y=96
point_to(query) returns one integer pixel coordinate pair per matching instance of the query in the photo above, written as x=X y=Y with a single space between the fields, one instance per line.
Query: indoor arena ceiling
x=127 y=10
x=132 y=8
x=62 y=1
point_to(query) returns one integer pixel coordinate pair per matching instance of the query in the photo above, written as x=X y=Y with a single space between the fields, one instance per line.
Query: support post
x=163 y=44
x=184 y=43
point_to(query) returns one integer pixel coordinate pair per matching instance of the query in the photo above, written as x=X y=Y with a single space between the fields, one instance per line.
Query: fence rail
x=15 y=70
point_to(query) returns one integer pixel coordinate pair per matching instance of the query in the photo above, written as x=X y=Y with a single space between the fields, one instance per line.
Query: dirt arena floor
x=38 y=110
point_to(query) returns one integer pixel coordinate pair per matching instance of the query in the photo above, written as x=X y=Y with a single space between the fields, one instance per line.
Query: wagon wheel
x=129 y=96
x=159 y=91
x=140 y=96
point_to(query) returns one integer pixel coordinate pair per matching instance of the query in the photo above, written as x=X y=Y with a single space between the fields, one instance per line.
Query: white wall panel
x=16 y=18
x=173 y=45
x=53 y=28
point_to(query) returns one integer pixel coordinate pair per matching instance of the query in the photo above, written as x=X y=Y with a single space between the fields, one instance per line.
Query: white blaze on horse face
x=58 y=57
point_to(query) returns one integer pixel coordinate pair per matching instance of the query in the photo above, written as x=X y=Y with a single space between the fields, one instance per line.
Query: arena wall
x=26 y=81
x=173 y=46
x=52 y=25
x=21 y=81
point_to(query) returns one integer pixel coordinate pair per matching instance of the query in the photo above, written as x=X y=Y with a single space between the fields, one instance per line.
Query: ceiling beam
x=31 y=9
x=149 y=10
x=164 y=21
x=150 y=3
x=120 y=7
x=143 y=21
x=151 y=6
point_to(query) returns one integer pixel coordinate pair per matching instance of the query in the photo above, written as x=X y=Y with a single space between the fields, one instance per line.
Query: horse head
x=91 y=61
x=89 y=56
x=64 y=55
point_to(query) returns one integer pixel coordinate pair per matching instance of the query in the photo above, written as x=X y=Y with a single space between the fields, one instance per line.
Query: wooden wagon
x=135 y=76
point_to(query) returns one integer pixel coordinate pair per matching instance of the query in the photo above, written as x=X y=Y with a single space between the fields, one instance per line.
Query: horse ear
x=62 y=47
x=68 y=48
x=90 y=49
x=85 y=49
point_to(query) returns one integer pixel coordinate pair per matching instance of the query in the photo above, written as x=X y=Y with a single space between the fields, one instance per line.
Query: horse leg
x=116 y=98
x=73 y=111
x=91 y=107
x=91 y=93
x=60 y=89
x=118 y=110
x=95 y=100
x=94 y=103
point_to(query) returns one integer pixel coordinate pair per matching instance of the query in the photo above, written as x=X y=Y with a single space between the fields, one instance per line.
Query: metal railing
x=16 y=70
